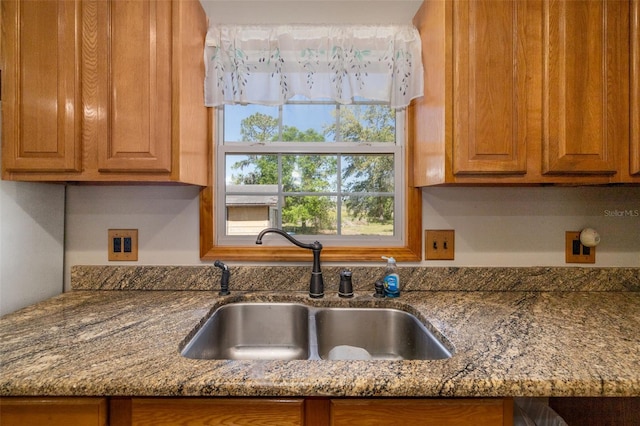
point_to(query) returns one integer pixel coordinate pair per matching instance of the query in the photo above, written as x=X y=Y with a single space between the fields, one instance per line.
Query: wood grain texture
x=138 y=101
x=81 y=411
x=585 y=85
x=407 y=412
x=543 y=116
x=41 y=86
x=489 y=96
x=634 y=152
x=598 y=411
x=191 y=137
x=430 y=116
x=237 y=412
x=139 y=87
x=317 y=411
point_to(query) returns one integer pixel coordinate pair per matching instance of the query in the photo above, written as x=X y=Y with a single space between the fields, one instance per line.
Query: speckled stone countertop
x=527 y=341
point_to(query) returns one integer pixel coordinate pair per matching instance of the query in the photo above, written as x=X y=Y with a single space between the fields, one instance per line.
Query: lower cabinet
x=255 y=411
x=589 y=411
x=206 y=411
x=18 y=411
x=311 y=411
x=421 y=412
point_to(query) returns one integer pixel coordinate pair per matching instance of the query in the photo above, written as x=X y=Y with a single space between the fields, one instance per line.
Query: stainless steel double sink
x=293 y=331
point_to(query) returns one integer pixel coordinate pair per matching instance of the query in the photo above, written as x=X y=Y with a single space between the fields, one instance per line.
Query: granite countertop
x=507 y=343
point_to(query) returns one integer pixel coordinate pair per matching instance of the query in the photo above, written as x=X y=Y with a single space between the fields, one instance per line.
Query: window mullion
x=309 y=148
x=339 y=195
x=280 y=193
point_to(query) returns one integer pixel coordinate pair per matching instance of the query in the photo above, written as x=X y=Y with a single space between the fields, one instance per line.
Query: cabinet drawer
x=53 y=411
x=199 y=411
x=421 y=412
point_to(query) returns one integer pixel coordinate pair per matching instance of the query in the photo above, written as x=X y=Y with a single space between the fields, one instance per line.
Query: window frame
x=410 y=251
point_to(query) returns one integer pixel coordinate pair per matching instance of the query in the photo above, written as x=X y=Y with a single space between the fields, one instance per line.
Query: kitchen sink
x=382 y=333
x=293 y=331
x=253 y=331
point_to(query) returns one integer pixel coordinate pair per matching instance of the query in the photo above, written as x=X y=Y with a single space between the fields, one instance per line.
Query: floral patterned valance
x=271 y=64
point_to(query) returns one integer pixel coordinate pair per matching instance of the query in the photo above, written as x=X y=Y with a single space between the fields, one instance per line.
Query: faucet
x=316 y=286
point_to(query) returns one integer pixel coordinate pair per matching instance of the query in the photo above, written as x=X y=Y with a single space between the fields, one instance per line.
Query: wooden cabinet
x=104 y=91
x=211 y=411
x=525 y=92
x=311 y=411
x=585 y=109
x=589 y=411
x=634 y=149
x=41 y=104
x=421 y=412
x=489 y=104
x=81 y=411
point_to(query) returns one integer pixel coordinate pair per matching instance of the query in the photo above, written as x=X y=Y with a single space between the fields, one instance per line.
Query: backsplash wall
x=506 y=226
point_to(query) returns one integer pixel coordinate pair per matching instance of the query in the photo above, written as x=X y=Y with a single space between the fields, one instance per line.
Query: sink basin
x=383 y=333
x=290 y=331
x=278 y=331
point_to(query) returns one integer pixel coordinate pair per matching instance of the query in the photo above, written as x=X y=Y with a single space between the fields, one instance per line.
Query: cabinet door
x=489 y=104
x=635 y=89
x=132 y=84
x=421 y=412
x=15 y=411
x=585 y=85
x=220 y=411
x=41 y=106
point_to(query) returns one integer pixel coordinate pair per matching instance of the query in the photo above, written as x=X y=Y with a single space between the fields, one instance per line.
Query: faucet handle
x=379 y=287
x=346 y=286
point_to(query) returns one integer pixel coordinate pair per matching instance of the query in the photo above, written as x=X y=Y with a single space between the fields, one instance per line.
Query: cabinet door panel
x=41 y=90
x=489 y=87
x=371 y=412
x=138 y=87
x=585 y=89
x=53 y=411
x=195 y=411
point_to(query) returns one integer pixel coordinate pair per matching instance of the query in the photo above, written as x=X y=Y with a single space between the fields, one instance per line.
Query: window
x=318 y=170
x=335 y=169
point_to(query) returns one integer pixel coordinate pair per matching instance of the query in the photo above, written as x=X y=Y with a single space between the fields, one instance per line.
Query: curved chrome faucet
x=316 y=286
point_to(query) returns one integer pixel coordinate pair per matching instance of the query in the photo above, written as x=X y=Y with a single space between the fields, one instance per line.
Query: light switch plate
x=123 y=244
x=439 y=244
x=575 y=252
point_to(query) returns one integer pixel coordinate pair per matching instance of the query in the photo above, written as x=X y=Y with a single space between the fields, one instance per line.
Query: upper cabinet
x=526 y=92
x=41 y=105
x=104 y=91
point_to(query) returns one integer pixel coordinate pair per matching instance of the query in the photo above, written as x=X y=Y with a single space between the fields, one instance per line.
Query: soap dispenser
x=391 y=278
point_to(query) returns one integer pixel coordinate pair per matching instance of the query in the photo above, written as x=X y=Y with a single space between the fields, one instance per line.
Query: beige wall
x=31 y=243
x=494 y=226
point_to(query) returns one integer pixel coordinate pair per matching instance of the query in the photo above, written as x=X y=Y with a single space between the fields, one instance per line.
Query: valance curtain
x=270 y=64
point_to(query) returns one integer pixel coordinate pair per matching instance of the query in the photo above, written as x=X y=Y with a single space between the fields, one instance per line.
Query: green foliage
x=365 y=123
x=259 y=127
x=318 y=173
x=368 y=173
x=305 y=173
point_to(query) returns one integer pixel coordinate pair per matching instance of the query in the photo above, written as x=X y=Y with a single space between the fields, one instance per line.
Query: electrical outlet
x=575 y=252
x=439 y=244
x=123 y=244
